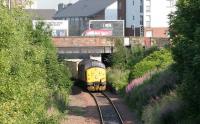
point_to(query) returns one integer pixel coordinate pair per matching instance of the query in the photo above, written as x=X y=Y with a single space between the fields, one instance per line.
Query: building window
x=132 y=27
x=148 y=18
x=141 y=19
x=133 y=17
x=133 y=2
x=148 y=2
x=148 y=23
x=141 y=6
x=148 y=9
x=70 y=20
x=141 y=9
x=141 y=2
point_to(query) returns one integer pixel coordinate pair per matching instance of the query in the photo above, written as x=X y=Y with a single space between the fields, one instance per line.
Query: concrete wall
x=84 y=45
x=148 y=42
x=83 y=41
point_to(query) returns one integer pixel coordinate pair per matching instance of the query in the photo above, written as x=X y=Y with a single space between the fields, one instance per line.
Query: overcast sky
x=49 y=4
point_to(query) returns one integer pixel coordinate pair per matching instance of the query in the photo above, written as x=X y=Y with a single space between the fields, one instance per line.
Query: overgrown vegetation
x=117 y=78
x=149 y=70
x=153 y=100
x=169 y=95
x=30 y=74
x=157 y=60
x=185 y=34
x=152 y=89
x=123 y=59
x=166 y=110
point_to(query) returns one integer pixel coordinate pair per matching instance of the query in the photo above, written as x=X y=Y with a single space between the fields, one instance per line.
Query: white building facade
x=156 y=17
x=148 y=18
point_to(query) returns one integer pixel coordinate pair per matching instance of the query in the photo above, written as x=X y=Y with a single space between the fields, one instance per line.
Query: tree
x=29 y=70
x=185 y=34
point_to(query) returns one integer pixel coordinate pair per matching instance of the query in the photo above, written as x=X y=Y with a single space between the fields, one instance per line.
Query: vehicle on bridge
x=99 y=32
x=92 y=74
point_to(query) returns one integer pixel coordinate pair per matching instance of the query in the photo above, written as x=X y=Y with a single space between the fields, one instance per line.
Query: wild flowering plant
x=138 y=81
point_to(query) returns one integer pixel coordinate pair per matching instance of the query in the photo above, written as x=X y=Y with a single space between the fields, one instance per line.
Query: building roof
x=84 y=8
x=46 y=14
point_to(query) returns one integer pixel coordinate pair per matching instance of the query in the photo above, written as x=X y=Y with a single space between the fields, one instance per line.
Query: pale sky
x=49 y=4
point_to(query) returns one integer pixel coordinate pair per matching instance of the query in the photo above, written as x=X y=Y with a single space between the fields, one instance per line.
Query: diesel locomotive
x=92 y=74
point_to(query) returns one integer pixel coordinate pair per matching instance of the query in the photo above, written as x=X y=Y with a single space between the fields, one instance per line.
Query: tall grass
x=117 y=78
x=152 y=89
x=167 y=110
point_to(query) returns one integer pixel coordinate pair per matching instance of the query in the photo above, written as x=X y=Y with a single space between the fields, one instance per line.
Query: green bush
x=158 y=84
x=117 y=78
x=185 y=30
x=156 y=60
x=167 y=110
x=24 y=74
x=125 y=58
x=57 y=74
x=150 y=50
x=119 y=57
x=134 y=55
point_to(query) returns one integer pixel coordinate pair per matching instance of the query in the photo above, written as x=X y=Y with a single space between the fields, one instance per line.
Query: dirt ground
x=82 y=109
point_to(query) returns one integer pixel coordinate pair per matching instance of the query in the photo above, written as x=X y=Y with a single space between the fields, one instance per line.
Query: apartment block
x=148 y=18
x=134 y=17
x=156 y=17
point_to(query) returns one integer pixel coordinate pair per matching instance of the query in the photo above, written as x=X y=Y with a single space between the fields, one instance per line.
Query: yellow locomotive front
x=93 y=74
x=96 y=79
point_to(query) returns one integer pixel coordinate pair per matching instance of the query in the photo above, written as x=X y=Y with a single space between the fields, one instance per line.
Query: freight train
x=92 y=74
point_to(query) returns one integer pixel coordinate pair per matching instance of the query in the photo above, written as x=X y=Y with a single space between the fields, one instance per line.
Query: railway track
x=107 y=110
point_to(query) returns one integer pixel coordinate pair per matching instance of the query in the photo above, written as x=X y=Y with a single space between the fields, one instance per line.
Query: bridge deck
x=83 y=42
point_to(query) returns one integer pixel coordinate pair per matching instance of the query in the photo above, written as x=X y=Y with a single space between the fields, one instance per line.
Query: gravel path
x=82 y=109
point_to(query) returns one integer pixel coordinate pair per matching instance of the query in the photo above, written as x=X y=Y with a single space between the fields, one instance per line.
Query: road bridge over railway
x=84 y=44
x=84 y=47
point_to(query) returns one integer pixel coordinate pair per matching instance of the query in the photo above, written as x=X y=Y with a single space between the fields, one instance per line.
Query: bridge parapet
x=84 y=41
x=71 y=45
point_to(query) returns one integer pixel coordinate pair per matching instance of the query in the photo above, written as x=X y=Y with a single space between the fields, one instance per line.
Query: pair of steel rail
x=120 y=120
